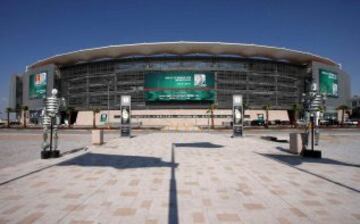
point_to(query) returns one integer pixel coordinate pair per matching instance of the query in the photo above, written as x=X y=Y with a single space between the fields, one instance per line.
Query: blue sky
x=33 y=30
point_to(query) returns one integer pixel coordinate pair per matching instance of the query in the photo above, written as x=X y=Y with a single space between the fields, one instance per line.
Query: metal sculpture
x=50 y=121
x=313 y=103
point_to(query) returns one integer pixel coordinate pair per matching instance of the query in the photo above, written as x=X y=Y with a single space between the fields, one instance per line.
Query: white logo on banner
x=40 y=78
x=200 y=80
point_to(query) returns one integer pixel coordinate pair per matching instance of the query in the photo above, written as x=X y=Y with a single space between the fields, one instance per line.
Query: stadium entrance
x=177 y=89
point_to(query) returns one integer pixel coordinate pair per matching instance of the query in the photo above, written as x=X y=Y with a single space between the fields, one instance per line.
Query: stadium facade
x=172 y=78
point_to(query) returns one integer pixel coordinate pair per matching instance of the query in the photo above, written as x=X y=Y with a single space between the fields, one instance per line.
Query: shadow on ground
x=295 y=160
x=274 y=139
x=129 y=162
x=198 y=145
x=282 y=149
x=116 y=161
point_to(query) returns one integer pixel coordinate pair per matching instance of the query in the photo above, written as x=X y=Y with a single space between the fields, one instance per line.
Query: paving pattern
x=21 y=146
x=184 y=178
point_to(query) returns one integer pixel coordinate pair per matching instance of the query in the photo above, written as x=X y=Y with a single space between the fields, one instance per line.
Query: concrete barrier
x=97 y=137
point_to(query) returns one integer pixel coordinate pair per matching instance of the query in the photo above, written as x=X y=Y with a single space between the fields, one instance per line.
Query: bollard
x=97 y=137
x=295 y=143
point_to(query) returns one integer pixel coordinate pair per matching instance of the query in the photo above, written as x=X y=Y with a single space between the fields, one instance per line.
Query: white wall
x=86 y=117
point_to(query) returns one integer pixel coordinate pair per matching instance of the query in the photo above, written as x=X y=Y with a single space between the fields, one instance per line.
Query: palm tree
x=343 y=108
x=69 y=111
x=267 y=107
x=211 y=111
x=25 y=109
x=296 y=108
x=245 y=107
x=95 y=111
x=8 y=111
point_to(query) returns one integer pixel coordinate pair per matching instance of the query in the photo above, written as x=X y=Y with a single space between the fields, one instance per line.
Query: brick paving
x=24 y=145
x=184 y=178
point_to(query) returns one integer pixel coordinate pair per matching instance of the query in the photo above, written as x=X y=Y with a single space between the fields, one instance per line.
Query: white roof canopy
x=184 y=48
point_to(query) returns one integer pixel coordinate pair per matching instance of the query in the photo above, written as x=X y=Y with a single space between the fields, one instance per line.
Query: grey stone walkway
x=21 y=146
x=185 y=178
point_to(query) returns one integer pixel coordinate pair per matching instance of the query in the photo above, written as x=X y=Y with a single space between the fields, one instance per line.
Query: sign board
x=179 y=86
x=37 y=85
x=125 y=113
x=328 y=83
x=103 y=117
x=238 y=115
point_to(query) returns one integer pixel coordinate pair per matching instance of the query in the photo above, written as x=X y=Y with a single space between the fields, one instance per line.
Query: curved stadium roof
x=184 y=48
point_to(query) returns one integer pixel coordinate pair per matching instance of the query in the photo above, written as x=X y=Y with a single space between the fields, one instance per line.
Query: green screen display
x=179 y=86
x=328 y=83
x=37 y=85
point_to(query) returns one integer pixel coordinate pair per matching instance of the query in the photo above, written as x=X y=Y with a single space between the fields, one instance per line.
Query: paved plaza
x=19 y=146
x=187 y=178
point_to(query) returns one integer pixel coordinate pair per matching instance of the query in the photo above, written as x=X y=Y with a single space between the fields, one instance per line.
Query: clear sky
x=33 y=30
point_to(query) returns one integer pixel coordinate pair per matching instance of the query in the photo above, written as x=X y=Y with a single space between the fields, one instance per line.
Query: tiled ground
x=23 y=145
x=185 y=178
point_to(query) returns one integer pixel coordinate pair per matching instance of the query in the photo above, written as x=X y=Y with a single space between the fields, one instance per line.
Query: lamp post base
x=50 y=154
x=45 y=154
x=55 y=154
x=311 y=153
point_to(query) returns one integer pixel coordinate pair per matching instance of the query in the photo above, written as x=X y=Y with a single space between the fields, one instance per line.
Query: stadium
x=173 y=84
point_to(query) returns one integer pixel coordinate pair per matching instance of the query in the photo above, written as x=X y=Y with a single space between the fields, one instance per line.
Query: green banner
x=37 y=85
x=328 y=83
x=179 y=86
